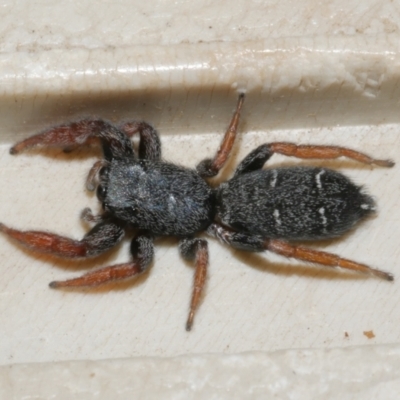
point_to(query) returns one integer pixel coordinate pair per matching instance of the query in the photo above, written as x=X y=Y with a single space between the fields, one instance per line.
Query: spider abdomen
x=296 y=203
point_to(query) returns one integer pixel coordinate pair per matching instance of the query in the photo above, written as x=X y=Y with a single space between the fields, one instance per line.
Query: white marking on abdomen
x=318 y=179
x=367 y=207
x=274 y=178
x=276 y=216
x=171 y=203
x=324 y=219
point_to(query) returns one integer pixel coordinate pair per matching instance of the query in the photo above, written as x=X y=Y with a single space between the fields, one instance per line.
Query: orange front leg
x=210 y=167
x=99 y=239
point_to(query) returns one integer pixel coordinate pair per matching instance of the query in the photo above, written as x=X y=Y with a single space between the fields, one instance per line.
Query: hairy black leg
x=238 y=240
x=210 y=167
x=99 y=239
x=254 y=160
x=142 y=252
x=115 y=143
x=258 y=157
x=88 y=216
x=250 y=242
x=142 y=249
x=195 y=249
x=150 y=144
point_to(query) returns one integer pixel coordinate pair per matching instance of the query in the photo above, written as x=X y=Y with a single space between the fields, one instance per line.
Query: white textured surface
x=313 y=73
x=113 y=24
x=357 y=373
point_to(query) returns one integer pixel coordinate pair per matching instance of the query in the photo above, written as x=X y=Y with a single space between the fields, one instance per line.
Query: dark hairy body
x=296 y=203
x=166 y=199
x=256 y=210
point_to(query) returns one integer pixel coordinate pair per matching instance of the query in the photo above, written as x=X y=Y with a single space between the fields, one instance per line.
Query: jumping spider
x=256 y=210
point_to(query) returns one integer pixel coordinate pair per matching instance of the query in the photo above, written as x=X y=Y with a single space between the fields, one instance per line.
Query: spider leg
x=210 y=167
x=196 y=249
x=150 y=144
x=88 y=216
x=142 y=251
x=115 y=143
x=92 y=178
x=258 y=157
x=322 y=258
x=99 y=239
x=257 y=243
